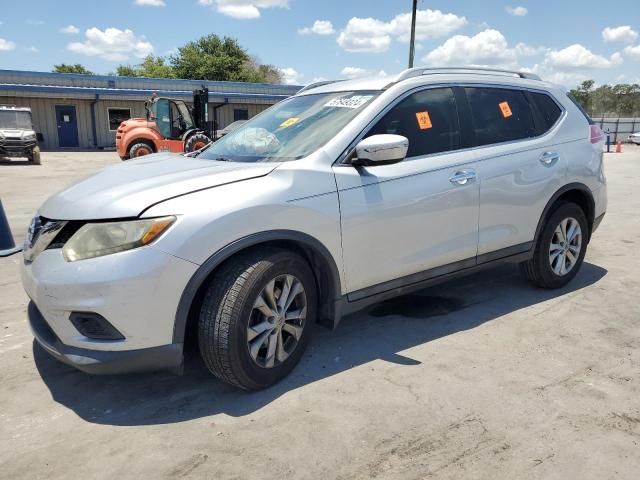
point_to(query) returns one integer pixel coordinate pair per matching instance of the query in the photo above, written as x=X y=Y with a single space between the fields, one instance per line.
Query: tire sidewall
x=281 y=263
x=135 y=147
x=564 y=211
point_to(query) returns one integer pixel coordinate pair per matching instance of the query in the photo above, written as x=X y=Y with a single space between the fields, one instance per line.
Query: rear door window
x=428 y=119
x=500 y=115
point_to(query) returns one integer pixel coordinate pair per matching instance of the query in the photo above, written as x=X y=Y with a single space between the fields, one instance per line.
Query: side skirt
x=360 y=299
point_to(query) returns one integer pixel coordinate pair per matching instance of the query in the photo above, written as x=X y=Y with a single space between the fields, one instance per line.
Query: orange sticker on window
x=289 y=121
x=424 y=120
x=505 y=109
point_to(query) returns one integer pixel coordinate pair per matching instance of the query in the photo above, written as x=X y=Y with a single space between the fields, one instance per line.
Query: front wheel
x=256 y=317
x=140 y=149
x=34 y=157
x=196 y=142
x=560 y=249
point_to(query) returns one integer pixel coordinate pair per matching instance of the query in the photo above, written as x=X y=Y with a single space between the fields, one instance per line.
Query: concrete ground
x=481 y=378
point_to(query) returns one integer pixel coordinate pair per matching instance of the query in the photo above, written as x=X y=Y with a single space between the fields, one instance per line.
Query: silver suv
x=346 y=194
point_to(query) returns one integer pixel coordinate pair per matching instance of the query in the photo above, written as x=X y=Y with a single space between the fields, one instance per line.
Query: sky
x=564 y=41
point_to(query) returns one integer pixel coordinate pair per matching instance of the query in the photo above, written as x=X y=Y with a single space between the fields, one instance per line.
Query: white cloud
x=243 y=9
x=517 y=11
x=112 y=44
x=375 y=36
x=578 y=57
x=150 y=3
x=6 y=45
x=320 y=27
x=70 y=29
x=290 y=76
x=488 y=47
x=357 y=72
x=32 y=49
x=624 y=34
x=633 y=52
x=365 y=35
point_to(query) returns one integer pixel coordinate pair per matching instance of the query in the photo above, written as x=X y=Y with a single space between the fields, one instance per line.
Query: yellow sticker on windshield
x=289 y=121
x=424 y=120
x=505 y=109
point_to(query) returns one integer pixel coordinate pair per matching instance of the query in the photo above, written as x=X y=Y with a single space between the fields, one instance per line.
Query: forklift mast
x=201 y=110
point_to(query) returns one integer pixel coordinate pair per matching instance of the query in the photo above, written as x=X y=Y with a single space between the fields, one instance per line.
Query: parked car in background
x=17 y=137
x=341 y=196
x=635 y=138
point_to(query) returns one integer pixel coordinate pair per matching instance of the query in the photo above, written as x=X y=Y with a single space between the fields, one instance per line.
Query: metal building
x=84 y=111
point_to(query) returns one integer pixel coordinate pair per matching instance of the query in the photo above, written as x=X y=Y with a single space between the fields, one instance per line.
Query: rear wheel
x=256 y=317
x=560 y=249
x=140 y=149
x=34 y=157
x=196 y=142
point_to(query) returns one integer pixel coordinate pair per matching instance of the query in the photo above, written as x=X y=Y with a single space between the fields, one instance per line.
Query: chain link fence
x=619 y=129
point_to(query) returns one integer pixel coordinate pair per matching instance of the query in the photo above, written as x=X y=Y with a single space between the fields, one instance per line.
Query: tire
x=196 y=142
x=140 y=149
x=35 y=156
x=229 y=310
x=545 y=268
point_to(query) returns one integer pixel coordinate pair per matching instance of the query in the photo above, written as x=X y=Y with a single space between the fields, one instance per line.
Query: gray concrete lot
x=484 y=377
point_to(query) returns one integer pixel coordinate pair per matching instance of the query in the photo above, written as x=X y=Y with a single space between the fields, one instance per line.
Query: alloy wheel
x=277 y=321
x=566 y=244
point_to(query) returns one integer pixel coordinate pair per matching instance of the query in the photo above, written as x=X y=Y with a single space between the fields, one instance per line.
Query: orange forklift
x=170 y=126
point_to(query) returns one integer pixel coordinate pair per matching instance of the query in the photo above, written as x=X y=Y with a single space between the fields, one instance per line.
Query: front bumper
x=16 y=148
x=102 y=362
x=137 y=292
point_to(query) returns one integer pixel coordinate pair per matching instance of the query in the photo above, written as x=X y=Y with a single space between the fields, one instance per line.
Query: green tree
x=214 y=58
x=151 y=67
x=622 y=100
x=77 y=68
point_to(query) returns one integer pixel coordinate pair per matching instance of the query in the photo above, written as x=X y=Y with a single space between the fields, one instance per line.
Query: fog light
x=94 y=326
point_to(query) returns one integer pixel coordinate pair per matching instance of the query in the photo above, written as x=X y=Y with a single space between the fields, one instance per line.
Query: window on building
x=117 y=116
x=240 y=114
x=429 y=120
x=500 y=115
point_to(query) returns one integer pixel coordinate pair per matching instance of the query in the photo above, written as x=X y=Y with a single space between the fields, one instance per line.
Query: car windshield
x=291 y=129
x=15 y=119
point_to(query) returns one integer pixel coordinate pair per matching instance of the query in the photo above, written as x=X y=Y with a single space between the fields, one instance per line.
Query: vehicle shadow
x=377 y=333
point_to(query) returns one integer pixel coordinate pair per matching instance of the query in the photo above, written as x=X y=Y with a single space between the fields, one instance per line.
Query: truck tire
x=35 y=156
x=256 y=318
x=560 y=249
x=140 y=149
x=196 y=142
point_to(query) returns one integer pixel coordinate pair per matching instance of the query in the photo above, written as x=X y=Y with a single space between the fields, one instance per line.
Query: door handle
x=463 y=177
x=549 y=158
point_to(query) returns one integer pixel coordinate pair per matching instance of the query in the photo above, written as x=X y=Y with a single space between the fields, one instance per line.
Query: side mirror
x=381 y=150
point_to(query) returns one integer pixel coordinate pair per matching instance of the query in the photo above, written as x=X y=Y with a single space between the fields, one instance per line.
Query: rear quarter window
x=549 y=111
x=500 y=115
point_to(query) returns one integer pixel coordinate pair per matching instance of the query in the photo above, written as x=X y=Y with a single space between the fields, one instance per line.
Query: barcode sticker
x=355 y=101
x=424 y=120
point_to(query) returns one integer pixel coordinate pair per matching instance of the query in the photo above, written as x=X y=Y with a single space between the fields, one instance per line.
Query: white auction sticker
x=355 y=101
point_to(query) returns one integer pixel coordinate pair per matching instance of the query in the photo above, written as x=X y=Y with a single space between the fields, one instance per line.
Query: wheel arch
x=320 y=259
x=577 y=193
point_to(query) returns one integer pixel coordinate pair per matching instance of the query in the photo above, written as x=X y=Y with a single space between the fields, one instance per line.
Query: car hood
x=126 y=190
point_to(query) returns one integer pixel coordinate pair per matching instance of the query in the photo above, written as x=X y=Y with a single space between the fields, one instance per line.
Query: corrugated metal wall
x=43 y=111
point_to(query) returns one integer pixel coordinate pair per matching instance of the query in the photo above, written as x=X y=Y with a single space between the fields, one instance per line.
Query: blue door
x=67 y=121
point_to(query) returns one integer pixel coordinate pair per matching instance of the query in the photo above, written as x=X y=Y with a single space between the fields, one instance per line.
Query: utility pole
x=412 y=45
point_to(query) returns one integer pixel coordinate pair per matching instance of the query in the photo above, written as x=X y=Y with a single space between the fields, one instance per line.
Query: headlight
x=31 y=136
x=98 y=239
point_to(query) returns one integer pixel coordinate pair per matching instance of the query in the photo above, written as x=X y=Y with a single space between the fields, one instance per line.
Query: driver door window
x=163 y=117
x=176 y=122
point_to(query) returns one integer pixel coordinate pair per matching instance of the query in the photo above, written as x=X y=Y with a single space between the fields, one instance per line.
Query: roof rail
x=318 y=84
x=416 y=72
